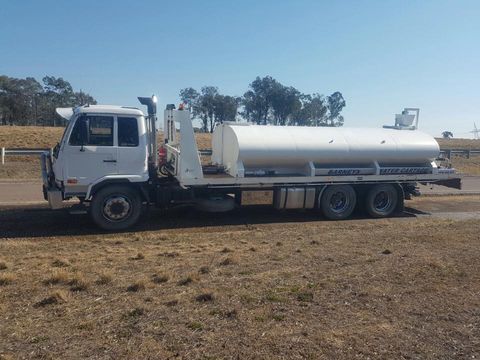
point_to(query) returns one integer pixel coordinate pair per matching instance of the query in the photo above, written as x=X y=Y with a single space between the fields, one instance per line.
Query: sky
x=381 y=55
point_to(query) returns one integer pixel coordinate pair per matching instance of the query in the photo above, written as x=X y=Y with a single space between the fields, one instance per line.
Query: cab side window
x=92 y=130
x=127 y=131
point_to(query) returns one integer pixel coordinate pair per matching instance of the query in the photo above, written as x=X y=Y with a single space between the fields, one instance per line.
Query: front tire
x=116 y=207
x=338 y=202
x=381 y=200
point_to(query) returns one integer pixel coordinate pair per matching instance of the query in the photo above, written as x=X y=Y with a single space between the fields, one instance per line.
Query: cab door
x=91 y=151
x=132 y=154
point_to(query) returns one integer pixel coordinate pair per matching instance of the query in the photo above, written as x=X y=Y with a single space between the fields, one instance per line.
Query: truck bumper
x=51 y=192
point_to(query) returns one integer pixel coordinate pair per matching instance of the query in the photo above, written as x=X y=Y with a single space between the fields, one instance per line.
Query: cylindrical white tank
x=288 y=147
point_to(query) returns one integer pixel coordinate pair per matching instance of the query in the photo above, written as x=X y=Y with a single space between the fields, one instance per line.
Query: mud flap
x=55 y=199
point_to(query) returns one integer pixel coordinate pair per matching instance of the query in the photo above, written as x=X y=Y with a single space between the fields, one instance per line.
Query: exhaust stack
x=151 y=104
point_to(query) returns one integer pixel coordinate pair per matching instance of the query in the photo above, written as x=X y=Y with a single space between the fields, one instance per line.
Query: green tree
x=285 y=102
x=18 y=100
x=447 y=134
x=27 y=102
x=226 y=108
x=189 y=96
x=257 y=101
x=335 y=103
x=57 y=93
x=81 y=98
x=207 y=107
x=313 y=111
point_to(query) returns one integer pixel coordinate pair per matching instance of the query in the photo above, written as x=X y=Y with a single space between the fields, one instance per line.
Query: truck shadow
x=39 y=221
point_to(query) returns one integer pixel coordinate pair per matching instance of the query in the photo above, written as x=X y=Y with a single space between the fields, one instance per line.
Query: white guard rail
x=21 y=152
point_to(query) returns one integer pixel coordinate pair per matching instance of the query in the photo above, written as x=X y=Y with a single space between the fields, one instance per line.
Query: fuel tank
x=282 y=149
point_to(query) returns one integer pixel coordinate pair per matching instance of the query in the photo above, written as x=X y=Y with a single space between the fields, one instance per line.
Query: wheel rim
x=382 y=201
x=117 y=208
x=339 y=202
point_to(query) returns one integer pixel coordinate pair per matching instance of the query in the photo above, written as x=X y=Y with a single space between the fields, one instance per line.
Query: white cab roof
x=108 y=109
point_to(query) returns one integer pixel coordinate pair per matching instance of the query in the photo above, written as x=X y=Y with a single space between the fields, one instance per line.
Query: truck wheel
x=381 y=200
x=338 y=202
x=116 y=207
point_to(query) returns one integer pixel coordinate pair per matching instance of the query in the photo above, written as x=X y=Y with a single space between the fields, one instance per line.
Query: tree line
x=266 y=101
x=29 y=102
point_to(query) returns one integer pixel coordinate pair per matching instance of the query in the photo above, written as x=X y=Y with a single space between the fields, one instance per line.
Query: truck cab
x=101 y=144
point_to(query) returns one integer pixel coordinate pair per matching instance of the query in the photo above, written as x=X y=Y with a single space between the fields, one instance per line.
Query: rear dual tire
x=337 y=202
x=381 y=200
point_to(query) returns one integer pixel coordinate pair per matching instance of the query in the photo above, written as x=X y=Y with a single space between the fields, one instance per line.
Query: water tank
x=288 y=149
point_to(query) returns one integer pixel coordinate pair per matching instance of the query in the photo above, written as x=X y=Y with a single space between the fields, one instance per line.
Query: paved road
x=29 y=192
x=470 y=185
x=18 y=193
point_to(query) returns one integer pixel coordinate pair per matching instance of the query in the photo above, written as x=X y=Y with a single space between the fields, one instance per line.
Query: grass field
x=249 y=285
x=459 y=143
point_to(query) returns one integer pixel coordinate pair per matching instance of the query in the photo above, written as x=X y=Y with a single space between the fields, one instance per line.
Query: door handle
x=109 y=161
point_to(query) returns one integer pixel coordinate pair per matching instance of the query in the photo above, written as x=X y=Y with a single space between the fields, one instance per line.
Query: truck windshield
x=57 y=146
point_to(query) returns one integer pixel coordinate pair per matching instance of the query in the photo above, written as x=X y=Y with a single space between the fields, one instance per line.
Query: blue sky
x=382 y=55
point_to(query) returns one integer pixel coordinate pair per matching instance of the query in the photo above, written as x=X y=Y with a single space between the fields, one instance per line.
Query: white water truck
x=108 y=159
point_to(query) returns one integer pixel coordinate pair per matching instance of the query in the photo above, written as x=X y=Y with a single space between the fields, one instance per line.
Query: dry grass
x=397 y=288
x=60 y=263
x=185 y=281
x=29 y=136
x=78 y=282
x=55 y=297
x=139 y=256
x=467 y=166
x=458 y=143
x=160 y=278
x=106 y=277
x=7 y=279
x=75 y=280
x=58 y=277
x=3 y=265
x=138 y=285
x=205 y=297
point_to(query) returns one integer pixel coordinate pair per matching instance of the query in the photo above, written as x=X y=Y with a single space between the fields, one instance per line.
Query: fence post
x=3 y=156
